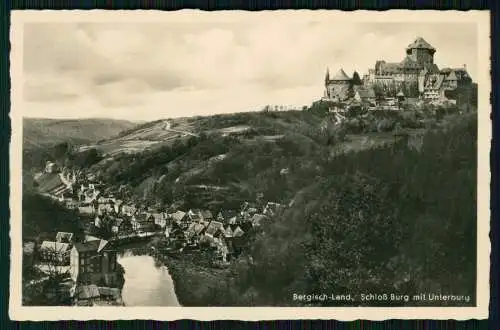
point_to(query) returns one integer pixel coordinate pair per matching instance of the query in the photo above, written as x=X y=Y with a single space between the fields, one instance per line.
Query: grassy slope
x=39 y=132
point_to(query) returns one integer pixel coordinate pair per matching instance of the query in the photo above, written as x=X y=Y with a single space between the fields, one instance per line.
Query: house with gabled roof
x=207 y=215
x=215 y=228
x=182 y=219
x=120 y=226
x=143 y=222
x=194 y=215
x=94 y=262
x=238 y=232
x=159 y=219
x=128 y=209
x=55 y=252
x=194 y=232
x=228 y=232
x=179 y=217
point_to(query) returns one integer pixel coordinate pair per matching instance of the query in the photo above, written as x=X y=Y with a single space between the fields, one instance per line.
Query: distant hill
x=39 y=132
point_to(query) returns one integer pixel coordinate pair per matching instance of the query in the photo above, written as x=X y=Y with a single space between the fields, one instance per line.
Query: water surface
x=146 y=283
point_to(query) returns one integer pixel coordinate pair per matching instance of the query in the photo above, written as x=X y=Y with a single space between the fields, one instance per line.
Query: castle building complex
x=417 y=70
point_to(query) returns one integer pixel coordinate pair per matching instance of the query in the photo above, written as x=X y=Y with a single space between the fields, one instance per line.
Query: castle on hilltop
x=417 y=71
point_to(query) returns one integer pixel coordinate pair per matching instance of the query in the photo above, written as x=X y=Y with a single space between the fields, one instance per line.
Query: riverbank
x=196 y=284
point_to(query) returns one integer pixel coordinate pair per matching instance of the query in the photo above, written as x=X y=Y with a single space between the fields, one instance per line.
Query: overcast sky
x=146 y=71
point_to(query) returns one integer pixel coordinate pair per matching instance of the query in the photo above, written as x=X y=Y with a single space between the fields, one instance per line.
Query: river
x=146 y=282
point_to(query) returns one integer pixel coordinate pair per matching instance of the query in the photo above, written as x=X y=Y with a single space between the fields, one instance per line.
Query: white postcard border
x=19 y=312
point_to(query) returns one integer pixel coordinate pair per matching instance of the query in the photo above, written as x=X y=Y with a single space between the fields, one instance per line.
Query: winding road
x=168 y=126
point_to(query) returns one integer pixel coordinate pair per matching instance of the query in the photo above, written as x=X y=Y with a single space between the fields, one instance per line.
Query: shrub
x=385 y=125
x=354 y=126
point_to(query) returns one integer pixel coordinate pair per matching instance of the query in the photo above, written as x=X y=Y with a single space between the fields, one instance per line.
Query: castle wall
x=339 y=90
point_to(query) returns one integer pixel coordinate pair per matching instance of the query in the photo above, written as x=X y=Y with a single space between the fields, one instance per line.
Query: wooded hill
x=372 y=209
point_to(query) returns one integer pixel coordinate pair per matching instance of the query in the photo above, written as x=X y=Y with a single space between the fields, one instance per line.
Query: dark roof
x=213 y=227
x=91 y=246
x=194 y=229
x=390 y=67
x=408 y=63
x=227 y=214
x=420 y=43
x=434 y=68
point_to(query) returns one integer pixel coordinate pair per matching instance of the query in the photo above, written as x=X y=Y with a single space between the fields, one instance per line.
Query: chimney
x=465 y=66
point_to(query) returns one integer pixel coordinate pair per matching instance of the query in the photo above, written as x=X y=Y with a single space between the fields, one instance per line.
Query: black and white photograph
x=276 y=159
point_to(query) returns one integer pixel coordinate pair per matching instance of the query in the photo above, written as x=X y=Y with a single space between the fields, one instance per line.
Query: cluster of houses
x=115 y=219
x=91 y=265
x=90 y=268
x=226 y=233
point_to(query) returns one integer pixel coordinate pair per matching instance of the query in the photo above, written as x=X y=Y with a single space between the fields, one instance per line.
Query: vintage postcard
x=276 y=165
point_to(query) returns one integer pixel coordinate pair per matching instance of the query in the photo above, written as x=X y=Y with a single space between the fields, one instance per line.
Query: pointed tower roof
x=421 y=44
x=340 y=76
x=327 y=75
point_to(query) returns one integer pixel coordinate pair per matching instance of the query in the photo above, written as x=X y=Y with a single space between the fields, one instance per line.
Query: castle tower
x=327 y=76
x=421 y=52
x=338 y=86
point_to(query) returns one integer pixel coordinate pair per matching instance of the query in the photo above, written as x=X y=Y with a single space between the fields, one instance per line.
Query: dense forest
x=44 y=217
x=373 y=221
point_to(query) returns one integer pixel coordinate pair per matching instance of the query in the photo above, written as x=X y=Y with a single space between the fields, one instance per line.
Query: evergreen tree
x=356 y=80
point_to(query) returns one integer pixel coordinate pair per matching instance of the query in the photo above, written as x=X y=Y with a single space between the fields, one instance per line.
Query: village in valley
x=89 y=270
x=91 y=265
